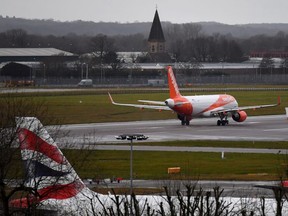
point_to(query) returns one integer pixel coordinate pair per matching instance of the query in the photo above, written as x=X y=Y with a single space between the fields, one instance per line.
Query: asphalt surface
x=261 y=128
x=102 y=136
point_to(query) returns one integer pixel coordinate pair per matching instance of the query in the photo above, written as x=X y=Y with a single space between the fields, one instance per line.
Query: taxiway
x=270 y=128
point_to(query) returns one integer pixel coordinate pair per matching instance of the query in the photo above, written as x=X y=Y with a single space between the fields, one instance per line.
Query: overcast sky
x=175 y=11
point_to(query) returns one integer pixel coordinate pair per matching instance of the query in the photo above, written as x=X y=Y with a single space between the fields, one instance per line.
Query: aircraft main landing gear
x=222 y=122
x=223 y=119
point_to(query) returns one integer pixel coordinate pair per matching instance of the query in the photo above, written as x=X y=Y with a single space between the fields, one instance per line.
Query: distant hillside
x=47 y=27
x=243 y=31
x=51 y=27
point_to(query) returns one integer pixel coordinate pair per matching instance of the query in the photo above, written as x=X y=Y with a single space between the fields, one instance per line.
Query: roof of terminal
x=33 y=52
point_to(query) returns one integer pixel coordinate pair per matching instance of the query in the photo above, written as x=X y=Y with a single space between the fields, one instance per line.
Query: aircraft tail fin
x=47 y=170
x=173 y=87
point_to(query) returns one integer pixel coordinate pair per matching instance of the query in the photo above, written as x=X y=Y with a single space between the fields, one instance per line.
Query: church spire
x=156 y=42
x=156 y=32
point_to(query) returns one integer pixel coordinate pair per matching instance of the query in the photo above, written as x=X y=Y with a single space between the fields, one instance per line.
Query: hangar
x=25 y=63
x=34 y=54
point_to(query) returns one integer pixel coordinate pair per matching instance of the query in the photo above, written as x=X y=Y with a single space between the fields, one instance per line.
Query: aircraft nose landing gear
x=185 y=120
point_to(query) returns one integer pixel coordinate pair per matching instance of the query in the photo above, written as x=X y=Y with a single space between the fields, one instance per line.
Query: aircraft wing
x=153 y=102
x=273 y=187
x=245 y=108
x=258 y=107
x=141 y=106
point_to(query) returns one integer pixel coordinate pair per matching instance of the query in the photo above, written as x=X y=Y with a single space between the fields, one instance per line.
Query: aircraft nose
x=169 y=103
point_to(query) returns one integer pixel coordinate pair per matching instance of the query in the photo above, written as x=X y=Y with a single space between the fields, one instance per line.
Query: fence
x=188 y=81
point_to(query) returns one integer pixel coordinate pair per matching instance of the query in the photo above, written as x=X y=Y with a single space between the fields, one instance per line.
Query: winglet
x=173 y=87
x=279 y=100
x=111 y=99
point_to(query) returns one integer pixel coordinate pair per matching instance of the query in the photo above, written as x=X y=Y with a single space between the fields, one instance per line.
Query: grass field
x=220 y=143
x=100 y=164
x=89 y=107
x=154 y=165
x=99 y=109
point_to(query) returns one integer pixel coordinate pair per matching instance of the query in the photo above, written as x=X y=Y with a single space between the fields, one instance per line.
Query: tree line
x=185 y=42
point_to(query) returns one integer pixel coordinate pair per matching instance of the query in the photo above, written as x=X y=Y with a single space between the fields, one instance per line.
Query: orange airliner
x=203 y=106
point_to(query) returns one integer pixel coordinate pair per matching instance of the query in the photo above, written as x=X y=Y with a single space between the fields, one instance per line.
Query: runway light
x=131 y=137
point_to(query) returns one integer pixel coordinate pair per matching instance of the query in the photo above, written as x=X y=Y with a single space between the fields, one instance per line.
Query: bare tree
x=17 y=38
x=266 y=65
x=10 y=168
x=101 y=45
x=191 y=30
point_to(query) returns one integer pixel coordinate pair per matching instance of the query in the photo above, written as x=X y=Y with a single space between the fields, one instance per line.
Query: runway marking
x=253 y=122
x=277 y=129
x=210 y=130
x=147 y=128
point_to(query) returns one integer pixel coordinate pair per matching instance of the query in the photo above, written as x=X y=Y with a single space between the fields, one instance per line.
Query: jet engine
x=170 y=103
x=239 y=116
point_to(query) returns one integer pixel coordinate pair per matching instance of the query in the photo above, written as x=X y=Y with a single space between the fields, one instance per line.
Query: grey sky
x=175 y=11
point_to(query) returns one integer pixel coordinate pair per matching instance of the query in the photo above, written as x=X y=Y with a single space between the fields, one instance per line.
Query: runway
x=261 y=128
x=101 y=136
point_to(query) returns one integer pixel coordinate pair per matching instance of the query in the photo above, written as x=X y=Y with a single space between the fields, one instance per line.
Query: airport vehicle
x=203 y=106
x=85 y=83
x=19 y=83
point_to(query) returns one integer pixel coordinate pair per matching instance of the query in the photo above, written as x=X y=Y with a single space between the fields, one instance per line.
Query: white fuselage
x=89 y=203
x=203 y=105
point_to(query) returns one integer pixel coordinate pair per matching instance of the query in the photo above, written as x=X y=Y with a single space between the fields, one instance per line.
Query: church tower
x=156 y=42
